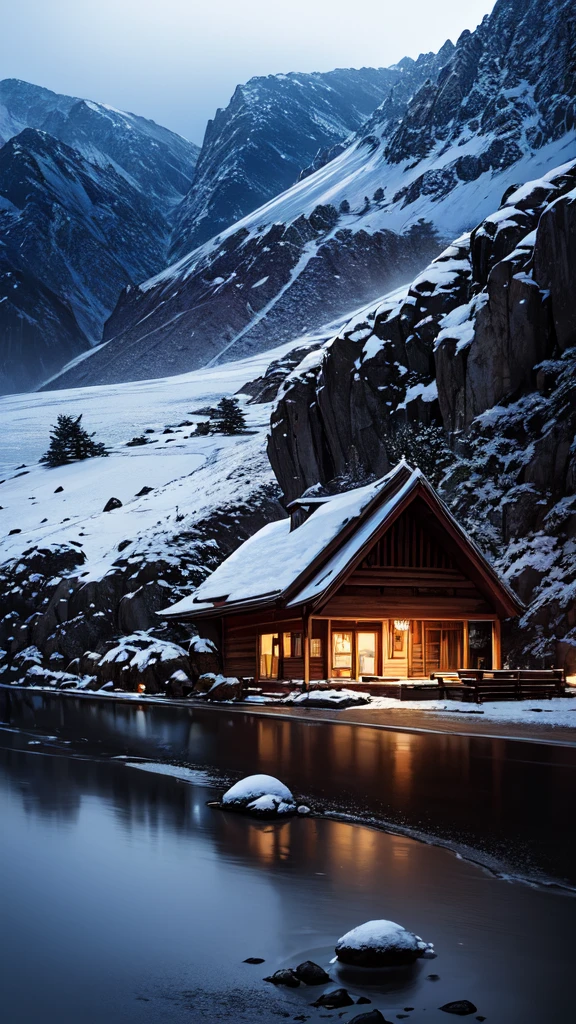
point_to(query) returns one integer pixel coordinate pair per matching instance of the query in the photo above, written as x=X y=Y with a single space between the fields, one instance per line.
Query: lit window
x=315 y=648
x=287 y=645
x=297 y=644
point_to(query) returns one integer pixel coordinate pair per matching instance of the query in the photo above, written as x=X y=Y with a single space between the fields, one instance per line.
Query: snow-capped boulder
x=262 y=796
x=225 y=688
x=203 y=657
x=328 y=699
x=380 y=944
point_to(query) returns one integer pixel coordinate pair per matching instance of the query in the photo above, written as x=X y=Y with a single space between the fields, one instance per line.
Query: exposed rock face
x=482 y=345
x=273 y=127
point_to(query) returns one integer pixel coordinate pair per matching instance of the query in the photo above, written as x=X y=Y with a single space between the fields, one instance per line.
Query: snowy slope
x=501 y=111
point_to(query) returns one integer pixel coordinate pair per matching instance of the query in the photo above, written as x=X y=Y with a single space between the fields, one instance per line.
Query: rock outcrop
x=480 y=352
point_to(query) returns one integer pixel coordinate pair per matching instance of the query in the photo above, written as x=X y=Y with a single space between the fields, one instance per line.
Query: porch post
x=306 y=647
x=496 y=644
x=466 y=645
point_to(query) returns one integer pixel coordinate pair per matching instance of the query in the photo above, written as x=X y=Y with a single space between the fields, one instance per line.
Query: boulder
x=111 y=504
x=204 y=657
x=371 y=1017
x=334 y=1000
x=262 y=796
x=286 y=977
x=225 y=689
x=380 y=944
x=460 y=1007
x=311 y=973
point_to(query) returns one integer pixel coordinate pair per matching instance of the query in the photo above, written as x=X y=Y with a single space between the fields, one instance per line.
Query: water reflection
x=505 y=798
x=141 y=903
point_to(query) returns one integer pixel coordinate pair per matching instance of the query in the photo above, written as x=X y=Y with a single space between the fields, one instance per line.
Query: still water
x=124 y=898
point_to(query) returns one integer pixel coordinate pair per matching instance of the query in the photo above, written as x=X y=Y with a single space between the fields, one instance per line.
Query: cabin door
x=366 y=647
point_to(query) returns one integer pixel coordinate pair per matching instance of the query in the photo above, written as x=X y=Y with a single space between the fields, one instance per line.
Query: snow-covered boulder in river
x=380 y=944
x=262 y=796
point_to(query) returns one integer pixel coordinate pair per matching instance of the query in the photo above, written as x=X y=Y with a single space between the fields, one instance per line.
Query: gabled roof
x=279 y=567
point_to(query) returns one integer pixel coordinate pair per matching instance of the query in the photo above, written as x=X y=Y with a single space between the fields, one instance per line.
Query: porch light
x=402 y=625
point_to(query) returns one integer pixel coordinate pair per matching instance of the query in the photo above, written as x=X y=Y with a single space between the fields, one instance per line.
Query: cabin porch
x=376 y=652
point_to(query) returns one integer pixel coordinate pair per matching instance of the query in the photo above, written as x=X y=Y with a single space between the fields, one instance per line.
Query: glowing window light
x=402 y=625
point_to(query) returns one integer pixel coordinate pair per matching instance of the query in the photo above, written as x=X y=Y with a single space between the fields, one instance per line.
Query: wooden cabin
x=378 y=581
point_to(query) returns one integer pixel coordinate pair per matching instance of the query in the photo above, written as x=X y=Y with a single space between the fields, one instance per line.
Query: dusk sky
x=178 y=60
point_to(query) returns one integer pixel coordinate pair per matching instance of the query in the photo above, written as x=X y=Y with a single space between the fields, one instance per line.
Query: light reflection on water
x=127 y=899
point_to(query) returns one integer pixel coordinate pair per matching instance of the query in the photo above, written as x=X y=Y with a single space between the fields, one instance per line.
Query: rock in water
x=372 y=1017
x=260 y=795
x=311 y=973
x=461 y=1007
x=334 y=1000
x=287 y=978
x=380 y=944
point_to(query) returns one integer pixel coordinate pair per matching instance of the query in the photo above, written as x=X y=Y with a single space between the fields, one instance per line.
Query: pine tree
x=231 y=419
x=344 y=206
x=378 y=195
x=69 y=442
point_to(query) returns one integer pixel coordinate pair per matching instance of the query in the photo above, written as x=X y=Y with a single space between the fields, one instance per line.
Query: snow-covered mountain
x=85 y=195
x=500 y=111
x=481 y=354
x=79 y=230
x=153 y=159
x=276 y=126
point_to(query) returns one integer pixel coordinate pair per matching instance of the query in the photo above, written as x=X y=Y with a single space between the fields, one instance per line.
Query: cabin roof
x=280 y=567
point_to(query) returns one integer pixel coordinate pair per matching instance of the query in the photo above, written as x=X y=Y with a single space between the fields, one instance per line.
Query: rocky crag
x=274 y=127
x=480 y=355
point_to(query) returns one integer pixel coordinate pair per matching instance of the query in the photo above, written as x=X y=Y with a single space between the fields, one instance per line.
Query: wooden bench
x=506 y=684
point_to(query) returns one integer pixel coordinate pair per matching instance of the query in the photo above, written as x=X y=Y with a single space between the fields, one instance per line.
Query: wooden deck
x=474 y=685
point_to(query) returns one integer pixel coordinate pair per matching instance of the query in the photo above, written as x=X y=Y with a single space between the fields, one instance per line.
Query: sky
x=176 y=61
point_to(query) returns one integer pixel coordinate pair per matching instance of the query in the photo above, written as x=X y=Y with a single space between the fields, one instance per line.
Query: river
x=126 y=899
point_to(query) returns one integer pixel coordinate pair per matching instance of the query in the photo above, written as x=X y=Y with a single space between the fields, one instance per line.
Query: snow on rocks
x=262 y=796
x=327 y=699
x=380 y=944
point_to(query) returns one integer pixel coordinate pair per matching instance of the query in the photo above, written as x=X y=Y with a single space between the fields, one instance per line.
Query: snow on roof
x=337 y=564
x=273 y=559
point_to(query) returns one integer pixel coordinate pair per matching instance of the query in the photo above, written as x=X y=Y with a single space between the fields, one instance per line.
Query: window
x=292 y=645
x=315 y=648
x=269 y=651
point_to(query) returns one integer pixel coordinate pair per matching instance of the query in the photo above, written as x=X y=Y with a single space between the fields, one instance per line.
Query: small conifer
x=230 y=418
x=69 y=442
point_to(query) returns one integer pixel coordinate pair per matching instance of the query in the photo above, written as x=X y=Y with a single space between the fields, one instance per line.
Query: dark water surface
x=125 y=899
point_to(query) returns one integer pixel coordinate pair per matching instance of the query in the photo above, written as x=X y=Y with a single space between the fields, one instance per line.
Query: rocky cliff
x=474 y=367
